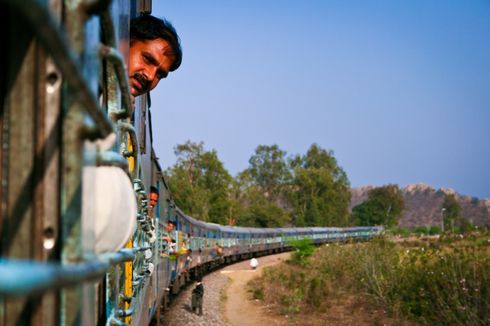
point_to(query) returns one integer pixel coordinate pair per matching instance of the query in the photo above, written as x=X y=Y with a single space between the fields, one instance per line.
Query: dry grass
x=382 y=282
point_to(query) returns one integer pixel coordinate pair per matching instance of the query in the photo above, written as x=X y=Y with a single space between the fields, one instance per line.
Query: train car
x=76 y=166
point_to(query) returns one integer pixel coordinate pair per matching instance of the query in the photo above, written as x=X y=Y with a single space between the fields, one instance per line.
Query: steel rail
x=129 y=128
x=110 y=53
x=110 y=158
x=108 y=28
x=95 y=7
x=56 y=44
x=20 y=278
x=117 y=60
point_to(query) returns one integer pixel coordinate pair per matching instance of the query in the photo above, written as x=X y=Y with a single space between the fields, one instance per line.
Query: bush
x=434 y=230
x=421 y=230
x=302 y=250
x=258 y=293
x=404 y=232
x=427 y=230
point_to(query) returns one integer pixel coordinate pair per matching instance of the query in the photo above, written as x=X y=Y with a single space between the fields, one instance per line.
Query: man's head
x=170 y=226
x=154 y=195
x=154 y=52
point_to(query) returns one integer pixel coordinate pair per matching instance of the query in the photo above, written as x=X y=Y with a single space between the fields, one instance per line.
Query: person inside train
x=154 y=51
x=153 y=200
x=188 y=260
x=169 y=237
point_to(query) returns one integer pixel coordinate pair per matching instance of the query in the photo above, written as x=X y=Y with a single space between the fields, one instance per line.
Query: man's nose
x=151 y=75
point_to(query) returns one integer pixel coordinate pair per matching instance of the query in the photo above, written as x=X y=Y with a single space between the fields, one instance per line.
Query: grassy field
x=442 y=281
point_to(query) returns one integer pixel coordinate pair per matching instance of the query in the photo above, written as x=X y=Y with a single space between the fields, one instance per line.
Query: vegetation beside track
x=420 y=281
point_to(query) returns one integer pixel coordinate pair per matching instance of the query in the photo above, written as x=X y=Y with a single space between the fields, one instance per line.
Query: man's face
x=153 y=199
x=149 y=61
x=170 y=227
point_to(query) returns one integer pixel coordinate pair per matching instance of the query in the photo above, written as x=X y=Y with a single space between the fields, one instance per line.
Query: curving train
x=80 y=244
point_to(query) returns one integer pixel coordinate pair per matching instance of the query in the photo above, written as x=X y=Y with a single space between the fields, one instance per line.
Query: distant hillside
x=423 y=205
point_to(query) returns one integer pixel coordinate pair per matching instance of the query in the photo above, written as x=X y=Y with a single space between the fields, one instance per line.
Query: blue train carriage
x=197 y=249
x=365 y=232
x=68 y=141
x=267 y=240
x=330 y=234
x=287 y=235
x=199 y=233
x=318 y=235
x=255 y=243
x=209 y=251
x=159 y=280
x=230 y=240
x=278 y=240
x=370 y=232
x=333 y=234
x=272 y=240
x=180 y=253
x=243 y=239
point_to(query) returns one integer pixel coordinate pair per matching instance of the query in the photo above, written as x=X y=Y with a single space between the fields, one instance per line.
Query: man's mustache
x=145 y=83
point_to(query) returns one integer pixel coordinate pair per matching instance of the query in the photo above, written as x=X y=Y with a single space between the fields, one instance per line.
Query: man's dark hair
x=154 y=189
x=147 y=27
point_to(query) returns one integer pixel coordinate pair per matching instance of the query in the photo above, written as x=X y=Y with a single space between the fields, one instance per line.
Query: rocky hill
x=423 y=205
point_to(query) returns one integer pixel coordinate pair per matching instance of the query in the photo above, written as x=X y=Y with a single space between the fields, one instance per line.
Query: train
x=80 y=244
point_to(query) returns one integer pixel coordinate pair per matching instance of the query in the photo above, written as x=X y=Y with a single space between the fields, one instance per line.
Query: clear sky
x=398 y=89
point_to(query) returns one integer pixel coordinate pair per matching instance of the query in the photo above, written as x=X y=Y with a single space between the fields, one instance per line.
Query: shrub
x=404 y=232
x=434 y=230
x=258 y=292
x=421 y=230
x=302 y=250
x=441 y=282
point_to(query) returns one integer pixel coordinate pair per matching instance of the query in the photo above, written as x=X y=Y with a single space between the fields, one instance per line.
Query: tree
x=200 y=184
x=256 y=209
x=261 y=212
x=262 y=189
x=235 y=210
x=451 y=210
x=383 y=207
x=320 y=191
x=269 y=171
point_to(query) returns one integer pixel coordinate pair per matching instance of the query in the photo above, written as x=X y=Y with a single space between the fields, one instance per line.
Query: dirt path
x=239 y=309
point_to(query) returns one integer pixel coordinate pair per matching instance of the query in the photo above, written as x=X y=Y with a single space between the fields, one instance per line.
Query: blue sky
x=399 y=90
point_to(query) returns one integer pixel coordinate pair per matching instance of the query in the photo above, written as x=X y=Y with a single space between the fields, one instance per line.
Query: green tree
x=200 y=184
x=320 y=191
x=268 y=170
x=383 y=207
x=236 y=208
x=450 y=210
x=261 y=188
x=261 y=212
x=256 y=209
x=453 y=220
